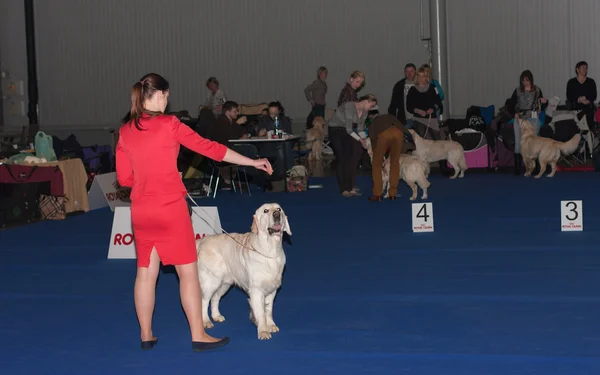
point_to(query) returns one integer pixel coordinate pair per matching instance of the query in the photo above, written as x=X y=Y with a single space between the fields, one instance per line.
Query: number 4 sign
x=422 y=217
x=571 y=216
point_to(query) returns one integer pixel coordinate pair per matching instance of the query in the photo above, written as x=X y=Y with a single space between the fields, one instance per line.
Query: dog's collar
x=252 y=248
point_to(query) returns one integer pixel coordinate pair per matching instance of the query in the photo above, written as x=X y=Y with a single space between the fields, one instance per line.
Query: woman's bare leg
x=144 y=295
x=191 y=299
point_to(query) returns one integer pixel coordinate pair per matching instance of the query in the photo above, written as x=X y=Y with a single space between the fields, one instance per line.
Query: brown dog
x=316 y=135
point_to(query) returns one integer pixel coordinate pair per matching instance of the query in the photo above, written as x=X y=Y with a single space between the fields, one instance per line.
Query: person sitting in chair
x=276 y=150
x=267 y=123
x=228 y=127
x=582 y=93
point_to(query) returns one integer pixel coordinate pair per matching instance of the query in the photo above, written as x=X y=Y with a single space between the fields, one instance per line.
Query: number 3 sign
x=422 y=217
x=571 y=213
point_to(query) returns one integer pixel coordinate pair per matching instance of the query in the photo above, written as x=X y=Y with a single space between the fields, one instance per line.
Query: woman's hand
x=429 y=111
x=420 y=112
x=263 y=165
x=363 y=143
x=543 y=100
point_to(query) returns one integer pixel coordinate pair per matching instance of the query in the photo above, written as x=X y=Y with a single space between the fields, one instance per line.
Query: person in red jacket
x=146 y=161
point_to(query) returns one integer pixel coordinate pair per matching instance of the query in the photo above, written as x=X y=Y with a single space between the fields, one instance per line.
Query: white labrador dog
x=253 y=261
x=412 y=170
x=430 y=151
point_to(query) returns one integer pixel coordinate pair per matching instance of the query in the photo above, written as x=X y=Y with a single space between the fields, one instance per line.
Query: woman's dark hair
x=229 y=105
x=277 y=104
x=144 y=89
x=526 y=74
x=579 y=65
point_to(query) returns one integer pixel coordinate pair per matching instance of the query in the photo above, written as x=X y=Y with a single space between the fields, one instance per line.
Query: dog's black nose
x=277 y=214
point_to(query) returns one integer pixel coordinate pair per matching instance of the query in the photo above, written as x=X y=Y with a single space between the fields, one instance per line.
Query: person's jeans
x=348 y=152
x=318 y=110
x=517 y=130
x=392 y=141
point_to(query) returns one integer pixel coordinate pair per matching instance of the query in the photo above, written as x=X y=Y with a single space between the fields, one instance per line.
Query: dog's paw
x=218 y=318
x=452 y=177
x=424 y=196
x=264 y=335
x=208 y=324
x=537 y=176
x=412 y=198
x=273 y=328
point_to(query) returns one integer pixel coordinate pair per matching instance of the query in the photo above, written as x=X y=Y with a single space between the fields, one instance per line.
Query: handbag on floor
x=296 y=179
x=52 y=208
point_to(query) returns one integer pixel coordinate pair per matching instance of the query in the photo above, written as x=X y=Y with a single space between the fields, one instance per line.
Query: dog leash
x=223 y=231
x=427 y=126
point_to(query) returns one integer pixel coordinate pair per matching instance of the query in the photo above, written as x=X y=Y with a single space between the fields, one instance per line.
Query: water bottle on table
x=277 y=130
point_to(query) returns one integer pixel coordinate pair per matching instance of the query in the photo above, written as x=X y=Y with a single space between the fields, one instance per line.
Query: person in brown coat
x=386 y=135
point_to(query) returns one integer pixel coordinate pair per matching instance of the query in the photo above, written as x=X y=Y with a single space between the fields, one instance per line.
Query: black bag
x=20 y=202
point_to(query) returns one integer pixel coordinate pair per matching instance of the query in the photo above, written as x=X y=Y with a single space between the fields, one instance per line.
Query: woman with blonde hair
x=350 y=90
x=424 y=103
x=348 y=140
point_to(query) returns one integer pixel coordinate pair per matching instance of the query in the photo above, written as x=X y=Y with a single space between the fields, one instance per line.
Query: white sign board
x=422 y=217
x=205 y=221
x=571 y=216
x=105 y=191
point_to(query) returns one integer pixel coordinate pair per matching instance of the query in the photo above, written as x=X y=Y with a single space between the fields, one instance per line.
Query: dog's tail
x=567 y=148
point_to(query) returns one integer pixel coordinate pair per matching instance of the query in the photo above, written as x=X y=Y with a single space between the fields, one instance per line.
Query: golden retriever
x=413 y=171
x=315 y=136
x=545 y=150
x=253 y=261
x=430 y=151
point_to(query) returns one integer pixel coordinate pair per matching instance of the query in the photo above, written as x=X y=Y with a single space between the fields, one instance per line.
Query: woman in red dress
x=146 y=157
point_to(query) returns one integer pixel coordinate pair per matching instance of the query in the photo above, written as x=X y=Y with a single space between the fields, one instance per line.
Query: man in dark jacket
x=386 y=135
x=397 y=106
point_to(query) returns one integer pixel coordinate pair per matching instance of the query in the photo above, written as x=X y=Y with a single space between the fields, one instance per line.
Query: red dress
x=147 y=162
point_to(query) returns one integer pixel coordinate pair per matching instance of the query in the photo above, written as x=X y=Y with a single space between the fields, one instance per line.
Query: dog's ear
x=254 y=228
x=286 y=224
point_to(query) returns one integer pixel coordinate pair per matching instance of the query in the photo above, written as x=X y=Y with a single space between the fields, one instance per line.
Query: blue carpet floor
x=496 y=289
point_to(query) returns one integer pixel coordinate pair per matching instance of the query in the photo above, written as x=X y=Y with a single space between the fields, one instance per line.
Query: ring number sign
x=422 y=217
x=571 y=213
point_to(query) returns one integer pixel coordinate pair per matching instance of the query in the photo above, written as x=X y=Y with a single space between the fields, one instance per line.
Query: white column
x=439 y=55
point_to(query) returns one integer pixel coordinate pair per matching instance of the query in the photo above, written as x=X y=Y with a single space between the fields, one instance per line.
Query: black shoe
x=198 y=346
x=147 y=345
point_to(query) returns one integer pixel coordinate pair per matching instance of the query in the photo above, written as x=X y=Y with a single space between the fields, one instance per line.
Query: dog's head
x=525 y=126
x=319 y=123
x=270 y=219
